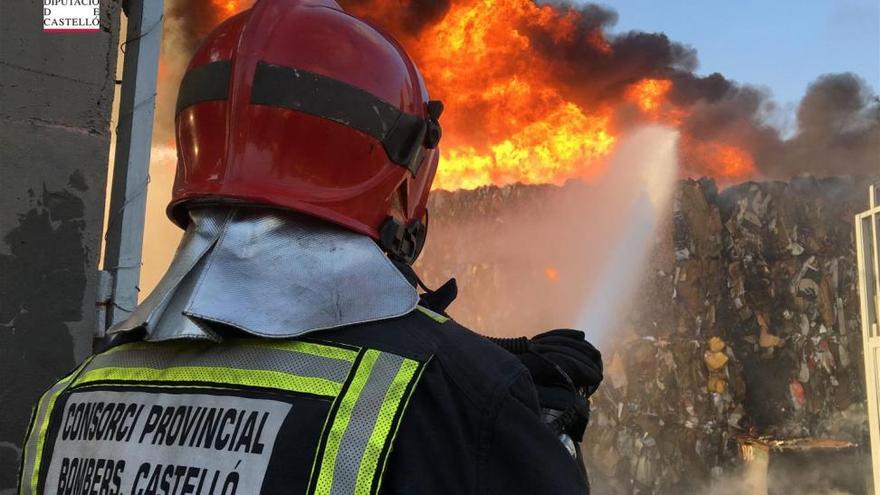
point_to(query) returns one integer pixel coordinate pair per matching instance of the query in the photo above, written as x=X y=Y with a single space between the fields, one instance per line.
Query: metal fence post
x=128 y=196
x=867 y=225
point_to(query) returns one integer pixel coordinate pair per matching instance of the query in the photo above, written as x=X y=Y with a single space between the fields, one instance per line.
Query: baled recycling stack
x=744 y=326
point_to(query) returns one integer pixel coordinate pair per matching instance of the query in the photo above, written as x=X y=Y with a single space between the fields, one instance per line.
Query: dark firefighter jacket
x=412 y=405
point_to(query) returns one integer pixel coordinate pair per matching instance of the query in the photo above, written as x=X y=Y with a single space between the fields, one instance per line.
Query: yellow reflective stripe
x=382 y=429
x=434 y=316
x=163 y=386
x=326 y=351
x=44 y=424
x=313 y=348
x=341 y=420
x=403 y=407
x=41 y=433
x=231 y=376
x=243 y=357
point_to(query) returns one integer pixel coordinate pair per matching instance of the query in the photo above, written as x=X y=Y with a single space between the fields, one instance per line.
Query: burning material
x=542 y=92
x=529 y=130
x=729 y=162
x=756 y=456
x=649 y=94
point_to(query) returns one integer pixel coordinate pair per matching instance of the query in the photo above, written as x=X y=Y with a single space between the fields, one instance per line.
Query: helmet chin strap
x=403 y=242
x=436 y=300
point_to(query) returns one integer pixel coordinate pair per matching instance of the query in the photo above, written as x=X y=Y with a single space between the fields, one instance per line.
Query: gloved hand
x=570 y=352
x=566 y=370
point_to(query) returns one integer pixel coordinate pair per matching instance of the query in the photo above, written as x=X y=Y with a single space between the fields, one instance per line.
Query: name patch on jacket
x=113 y=442
x=245 y=416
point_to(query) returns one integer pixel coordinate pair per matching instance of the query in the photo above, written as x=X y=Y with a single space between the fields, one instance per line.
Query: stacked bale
x=745 y=321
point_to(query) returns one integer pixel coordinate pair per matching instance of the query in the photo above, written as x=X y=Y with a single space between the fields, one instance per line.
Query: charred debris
x=743 y=330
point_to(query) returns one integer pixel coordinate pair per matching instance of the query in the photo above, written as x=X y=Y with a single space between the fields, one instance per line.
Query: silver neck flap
x=271 y=274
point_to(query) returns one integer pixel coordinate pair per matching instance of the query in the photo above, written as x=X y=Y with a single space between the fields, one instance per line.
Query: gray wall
x=56 y=94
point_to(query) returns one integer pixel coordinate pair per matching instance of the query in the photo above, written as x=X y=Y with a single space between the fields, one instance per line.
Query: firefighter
x=287 y=349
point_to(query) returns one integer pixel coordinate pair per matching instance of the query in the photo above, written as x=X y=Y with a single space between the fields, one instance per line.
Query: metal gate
x=868 y=253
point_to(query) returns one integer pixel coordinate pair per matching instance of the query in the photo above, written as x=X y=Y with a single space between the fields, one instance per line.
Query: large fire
x=649 y=94
x=528 y=130
x=508 y=117
x=727 y=162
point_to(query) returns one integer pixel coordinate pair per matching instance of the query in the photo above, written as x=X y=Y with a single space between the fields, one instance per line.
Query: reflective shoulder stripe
x=246 y=378
x=292 y=365
x=434 y=316
x=314 y=348
x=358 y=440
x=393 y=407
x=36 y=436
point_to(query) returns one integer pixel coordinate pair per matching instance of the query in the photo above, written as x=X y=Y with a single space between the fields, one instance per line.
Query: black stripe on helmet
x=208 y=82
x=401 y=134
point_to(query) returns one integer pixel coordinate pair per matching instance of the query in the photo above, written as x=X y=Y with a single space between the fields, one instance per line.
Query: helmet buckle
x=402 y=242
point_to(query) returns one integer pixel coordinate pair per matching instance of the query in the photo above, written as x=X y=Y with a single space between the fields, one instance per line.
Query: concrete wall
x=56 y=94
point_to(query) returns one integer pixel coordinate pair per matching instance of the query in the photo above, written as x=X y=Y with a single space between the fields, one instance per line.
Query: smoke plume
x=838 y=120
x=838 y=130
x=722 y=122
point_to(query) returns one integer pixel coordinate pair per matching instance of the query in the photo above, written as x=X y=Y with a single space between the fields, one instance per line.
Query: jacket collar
x=272 y=274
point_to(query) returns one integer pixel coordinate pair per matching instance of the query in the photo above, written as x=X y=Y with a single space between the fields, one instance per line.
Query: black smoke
x=838 y=120
x=838 y=124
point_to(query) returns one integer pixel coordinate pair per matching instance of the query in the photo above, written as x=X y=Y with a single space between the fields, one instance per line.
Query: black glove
x=566 y=370
x=567 y=351
x=558 y=358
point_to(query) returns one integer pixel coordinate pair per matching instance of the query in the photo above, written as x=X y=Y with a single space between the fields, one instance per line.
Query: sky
x=781 y=45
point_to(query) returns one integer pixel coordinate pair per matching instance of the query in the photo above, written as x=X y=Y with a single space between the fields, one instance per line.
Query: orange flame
x=507 y=117
x=597 y=39
x=228 y=8
x=477 y=57
x=551 y=273
x=733 y=162
x=649 y=94
x=721 y=160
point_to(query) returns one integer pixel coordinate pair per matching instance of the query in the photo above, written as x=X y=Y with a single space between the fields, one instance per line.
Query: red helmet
x=296 y=104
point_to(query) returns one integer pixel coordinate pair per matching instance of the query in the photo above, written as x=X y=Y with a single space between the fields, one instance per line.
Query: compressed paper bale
x=735 y=261
x=715 y=360
x=717 y=384
x=716 y=344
